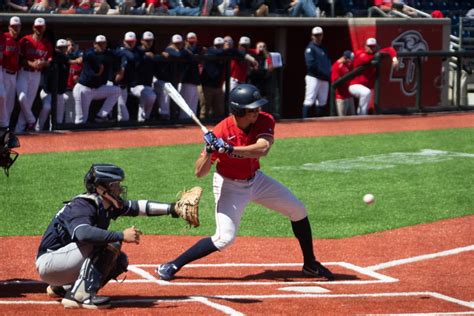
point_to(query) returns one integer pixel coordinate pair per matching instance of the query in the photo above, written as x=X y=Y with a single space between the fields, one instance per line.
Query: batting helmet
x=245 y=96
x=8 y=156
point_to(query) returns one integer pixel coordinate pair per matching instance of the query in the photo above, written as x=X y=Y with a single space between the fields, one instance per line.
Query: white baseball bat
x=178 y=99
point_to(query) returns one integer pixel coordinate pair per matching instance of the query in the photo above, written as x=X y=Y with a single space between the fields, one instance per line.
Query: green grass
x=405 y=194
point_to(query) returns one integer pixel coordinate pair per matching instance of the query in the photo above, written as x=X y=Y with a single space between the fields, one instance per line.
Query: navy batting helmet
x=102 y=174
x=245 y=96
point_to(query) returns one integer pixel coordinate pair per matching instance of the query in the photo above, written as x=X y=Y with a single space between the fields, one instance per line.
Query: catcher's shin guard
x=96 y=271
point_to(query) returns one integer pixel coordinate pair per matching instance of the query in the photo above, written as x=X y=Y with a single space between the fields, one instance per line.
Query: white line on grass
x=395 y=263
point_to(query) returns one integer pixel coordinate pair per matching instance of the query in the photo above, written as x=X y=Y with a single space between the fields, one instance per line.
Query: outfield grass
x=406 y=194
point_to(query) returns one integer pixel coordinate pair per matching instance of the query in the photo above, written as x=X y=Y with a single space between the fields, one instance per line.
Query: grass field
x=329 y=174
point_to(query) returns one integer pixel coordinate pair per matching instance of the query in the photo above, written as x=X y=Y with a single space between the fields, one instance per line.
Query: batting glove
x=222 y=146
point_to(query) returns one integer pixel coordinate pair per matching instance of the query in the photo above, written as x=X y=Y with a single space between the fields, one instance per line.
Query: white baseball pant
x=3 y=108
x=122 y=110
x=364 y=95
x=232 y=196
x=62 y=266
x=9 y=84
x=46 y=108
x=147 y=98
x=27 y=85
x=163 y=97
x=83 y=97
x=345 y=106
x=316 y=91
x=190 y=94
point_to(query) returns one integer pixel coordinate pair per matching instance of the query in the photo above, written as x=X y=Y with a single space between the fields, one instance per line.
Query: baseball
x=369 y=199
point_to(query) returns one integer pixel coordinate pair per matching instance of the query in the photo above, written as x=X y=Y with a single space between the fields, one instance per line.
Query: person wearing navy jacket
x=318 y=74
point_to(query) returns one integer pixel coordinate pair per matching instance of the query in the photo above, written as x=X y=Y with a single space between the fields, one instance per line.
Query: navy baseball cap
x=348 y=54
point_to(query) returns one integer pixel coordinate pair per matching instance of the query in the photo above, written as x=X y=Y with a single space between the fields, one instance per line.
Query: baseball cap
x=148 y=36
x=317 y=30
x=244 y=40
x=371 y=41
x=100 y=39
x=176 y=38
x=39 y=22
x=61 y=43
x=348 y=54
x=191 y=35
x=218 y=41
x=14 y=20
x=130 y=36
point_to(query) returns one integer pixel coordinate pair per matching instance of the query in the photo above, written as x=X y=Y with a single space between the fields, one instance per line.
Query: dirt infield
x=421 y=269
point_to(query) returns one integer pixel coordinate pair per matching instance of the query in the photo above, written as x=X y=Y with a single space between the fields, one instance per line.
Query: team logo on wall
x=410 y=41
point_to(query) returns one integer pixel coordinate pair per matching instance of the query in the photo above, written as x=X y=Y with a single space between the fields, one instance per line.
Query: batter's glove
x=187 y=207
x=210 y=140
x=223 y=147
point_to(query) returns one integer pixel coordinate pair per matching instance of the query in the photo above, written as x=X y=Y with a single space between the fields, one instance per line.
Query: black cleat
x=55 y=291
x=93 y=302
x=316 y=269
x=166 y=271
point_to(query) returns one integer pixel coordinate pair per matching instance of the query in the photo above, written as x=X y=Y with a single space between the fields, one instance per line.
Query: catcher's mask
x=245 y=96
x=105 y=180
x=8 y=156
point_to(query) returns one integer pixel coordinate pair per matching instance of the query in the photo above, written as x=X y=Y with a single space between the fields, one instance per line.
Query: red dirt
x=451 y=275
x=107 y=139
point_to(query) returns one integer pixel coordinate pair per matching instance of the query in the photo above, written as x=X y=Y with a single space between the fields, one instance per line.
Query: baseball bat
x=178 y=99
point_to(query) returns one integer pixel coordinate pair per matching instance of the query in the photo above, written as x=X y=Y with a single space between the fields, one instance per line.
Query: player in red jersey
x=361 y=86
x=236 y=145
x=344 y=100
x=11 y=57
x=240 y=67
x=36 y=52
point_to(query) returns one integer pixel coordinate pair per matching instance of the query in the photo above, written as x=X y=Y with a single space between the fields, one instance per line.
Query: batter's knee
x=298 y=213
x=222 y=241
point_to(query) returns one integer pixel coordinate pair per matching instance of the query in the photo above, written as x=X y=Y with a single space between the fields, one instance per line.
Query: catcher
x=77 y=255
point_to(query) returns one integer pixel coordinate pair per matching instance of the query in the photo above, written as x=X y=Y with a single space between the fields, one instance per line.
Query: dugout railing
x=450 y=105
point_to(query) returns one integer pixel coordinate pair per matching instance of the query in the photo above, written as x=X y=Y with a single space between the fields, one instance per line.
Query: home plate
x=305 y=289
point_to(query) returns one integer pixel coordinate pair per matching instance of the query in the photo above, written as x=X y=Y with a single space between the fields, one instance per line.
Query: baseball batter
x=36 y=52
x=245 y=137
x=78 y=255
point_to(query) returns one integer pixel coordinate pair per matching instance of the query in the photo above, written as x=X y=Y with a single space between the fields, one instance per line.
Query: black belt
x=10 y=72
x=31 y=70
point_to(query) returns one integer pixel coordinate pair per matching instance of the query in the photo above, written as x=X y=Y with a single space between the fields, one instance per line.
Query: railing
x=458 y=55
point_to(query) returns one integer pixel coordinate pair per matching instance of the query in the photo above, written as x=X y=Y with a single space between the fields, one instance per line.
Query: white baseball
x=369 y=198
x=221 y=150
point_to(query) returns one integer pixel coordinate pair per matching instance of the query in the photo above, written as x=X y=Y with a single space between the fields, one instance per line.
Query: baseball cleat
x=93 y=302
x=316 y=269
x=166 y=271
x=55 y=291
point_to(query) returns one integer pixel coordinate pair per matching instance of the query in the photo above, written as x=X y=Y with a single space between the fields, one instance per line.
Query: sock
x=200 y=249
x=302 y=231
x=305 y=111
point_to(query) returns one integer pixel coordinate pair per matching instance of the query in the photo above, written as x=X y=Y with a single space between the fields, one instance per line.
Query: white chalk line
x=231 y=311
x=398 y=262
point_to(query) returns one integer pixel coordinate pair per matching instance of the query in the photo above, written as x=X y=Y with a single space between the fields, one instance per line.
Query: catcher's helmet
x=8 y=156
x=245 y=96
x=102 y=174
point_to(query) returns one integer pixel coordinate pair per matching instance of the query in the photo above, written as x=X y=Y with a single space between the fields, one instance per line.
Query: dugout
x=289 y=36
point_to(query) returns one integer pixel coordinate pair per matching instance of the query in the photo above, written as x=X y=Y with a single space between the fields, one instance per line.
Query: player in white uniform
x=244 y=137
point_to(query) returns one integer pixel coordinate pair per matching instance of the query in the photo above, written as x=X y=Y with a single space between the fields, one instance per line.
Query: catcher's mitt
x=187 y=207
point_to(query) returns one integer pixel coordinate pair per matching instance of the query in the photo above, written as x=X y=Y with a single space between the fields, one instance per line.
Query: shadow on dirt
x=20 y=287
